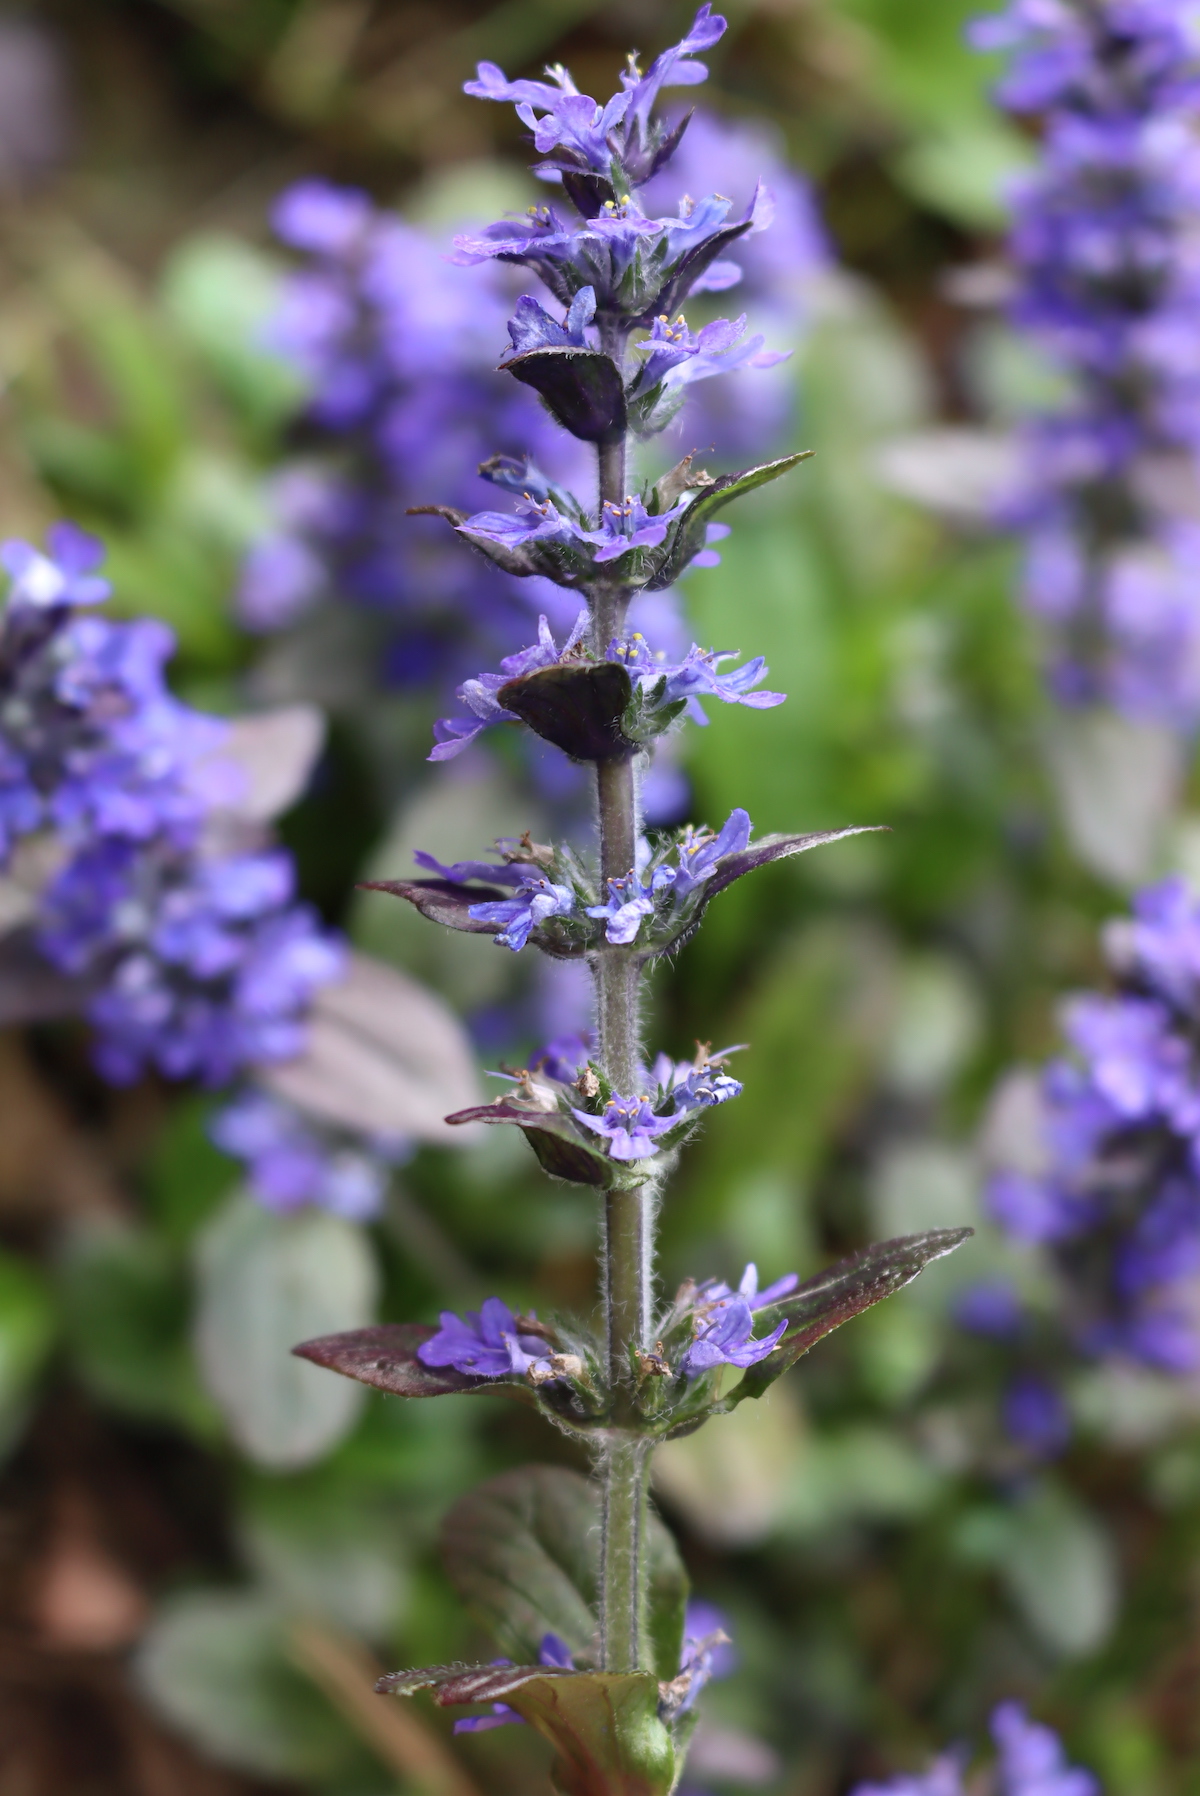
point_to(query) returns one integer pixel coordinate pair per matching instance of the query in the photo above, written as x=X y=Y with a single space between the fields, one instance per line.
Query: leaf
x=125 y=1304
x=555 y=1140
x=759 y=854
x=1061 y=1569
x=582 y=389
x=512 y=561
x=604 y=1726
x=441 y=900
x=214 y=1664
x=605 y=1730
x=28 y=1323
x=577 y=708
x=843 y=1290
x=689 y=537
x=386 y=1358
x=523 y=1553
x=265 y=762
x=264 y=1281
x=384 y=1055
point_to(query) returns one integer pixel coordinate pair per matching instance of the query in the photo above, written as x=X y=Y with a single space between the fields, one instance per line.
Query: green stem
x=628 y=1248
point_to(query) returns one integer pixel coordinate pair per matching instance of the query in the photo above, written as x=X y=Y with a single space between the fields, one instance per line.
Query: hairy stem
x=628 y=1251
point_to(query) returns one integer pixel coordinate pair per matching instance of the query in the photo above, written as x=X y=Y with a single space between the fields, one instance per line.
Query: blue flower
x=674 y=356
x=531 y=326
x=1031 y=1758
x=697 y=674
x=586 y=135
x=629 y=900
x=725 y=1336
x=630 y=526
x=1035 y=1414
x=628 y=1125
x=700 y=850
x=487 y=1344
x=64 y=575
x=536 y=899
x=292 y=1161
x=479 y=694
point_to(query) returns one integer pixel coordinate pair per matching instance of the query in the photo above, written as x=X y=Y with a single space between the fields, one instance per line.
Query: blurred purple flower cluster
x=1118 y=1206
x=1030 y=1761
x=1105 y=245
x=292 y=1160
x=192 y=958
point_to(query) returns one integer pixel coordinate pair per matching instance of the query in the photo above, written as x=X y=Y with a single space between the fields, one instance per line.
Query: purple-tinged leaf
x=512 y=561
x=759 y=854
x=383 y=1055
x=578 y=708
x=582 y=389
x=842 y=1291
x=386 y=1357
x=604 y=1726
x=441 y=900
x=553 y=1137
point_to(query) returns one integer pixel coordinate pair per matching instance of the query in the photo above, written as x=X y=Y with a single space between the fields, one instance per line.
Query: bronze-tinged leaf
x=441 y=900
x=582 y=388
x=553 y=1139
x=576 y=706
x=842 y=1291
x=758 y=854
x=386 y=1357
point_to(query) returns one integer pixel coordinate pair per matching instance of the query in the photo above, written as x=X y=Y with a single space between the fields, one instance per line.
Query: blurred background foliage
x=195 y=1595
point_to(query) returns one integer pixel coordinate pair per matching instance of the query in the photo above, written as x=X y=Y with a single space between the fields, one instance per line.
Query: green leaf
x=27 y=1326
x=215 y=1665
x=689 y=538
x=605 y=1730
x=843 y=1290
x=523 y=1553
x=604 y=1726
x=267 y=1281
x=125 y=1307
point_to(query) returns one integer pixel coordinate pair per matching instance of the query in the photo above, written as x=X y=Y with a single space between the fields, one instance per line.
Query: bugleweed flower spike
x=600 y=1658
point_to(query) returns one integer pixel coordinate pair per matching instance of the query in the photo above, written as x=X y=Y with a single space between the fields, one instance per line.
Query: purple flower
x=479 y=695
x=630 y=526
x=696 y=1084
x=1031 y=1758
x=725 y=1337
x=531 y=326
x=714 y=1292
x=203 y=968
x=1031 y=1762
x=1035 y=1414
x=486 y=1344
x=64 y=575
x=943 y=1778
x=536 y=899
x=697 y=674
x=291 y=1160
x=700 y=850
x=579 y=135
x=629 y=1126
x=1109 y=287
x=629 y=900
x=674 y=357
x=993 y=1310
